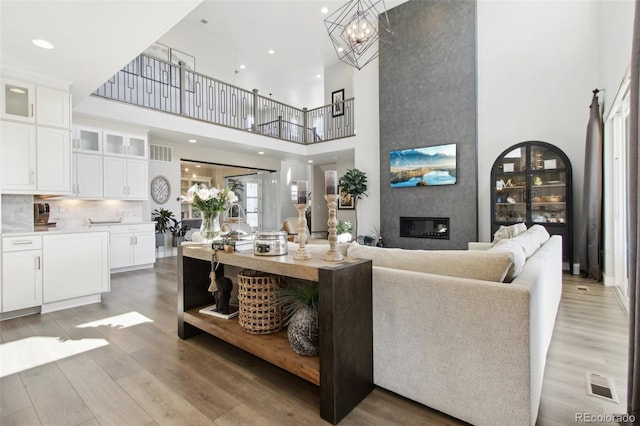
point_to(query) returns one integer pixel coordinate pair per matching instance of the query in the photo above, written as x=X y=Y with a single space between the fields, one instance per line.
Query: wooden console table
x=344 y=369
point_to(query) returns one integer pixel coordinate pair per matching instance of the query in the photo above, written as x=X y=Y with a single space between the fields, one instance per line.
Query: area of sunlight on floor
x=118 y=321
x=30 y=352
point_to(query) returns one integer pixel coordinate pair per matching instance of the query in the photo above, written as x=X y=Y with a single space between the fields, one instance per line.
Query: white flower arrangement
x=209 y=199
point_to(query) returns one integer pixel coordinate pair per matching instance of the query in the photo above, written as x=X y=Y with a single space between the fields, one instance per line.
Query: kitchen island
x=344 y=368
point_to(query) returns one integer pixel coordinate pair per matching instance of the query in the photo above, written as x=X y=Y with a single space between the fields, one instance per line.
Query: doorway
x=255 y=188
x=615 y=191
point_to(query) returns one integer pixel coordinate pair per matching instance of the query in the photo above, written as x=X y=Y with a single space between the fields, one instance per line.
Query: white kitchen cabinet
x=18 y=101
x=52 y=107
x=87 y=140
x=77 y=264
x=125 y=145
x=21 y=272
x=87 y=179
x=125 y=178
x=132 y=246
x=35 y=159
x=53 y=164
x=18 y=156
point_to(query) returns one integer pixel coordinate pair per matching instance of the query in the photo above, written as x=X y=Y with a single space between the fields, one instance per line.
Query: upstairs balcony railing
x=153 y=83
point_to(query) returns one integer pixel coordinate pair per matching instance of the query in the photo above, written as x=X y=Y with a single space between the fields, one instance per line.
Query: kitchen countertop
x=70 y=229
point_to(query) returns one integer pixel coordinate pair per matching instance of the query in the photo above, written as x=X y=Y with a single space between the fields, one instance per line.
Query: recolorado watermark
x=604 y=418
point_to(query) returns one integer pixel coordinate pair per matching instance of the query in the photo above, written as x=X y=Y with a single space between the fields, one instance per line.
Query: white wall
x=615 y=32
x=537 y=65
x=367 y=145
x=338 y=76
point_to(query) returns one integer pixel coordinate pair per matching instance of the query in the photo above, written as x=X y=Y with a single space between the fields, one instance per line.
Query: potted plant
x=179 y=230
x=343 y=229
x=354 y=183
x=162 y=218
x=300 y=303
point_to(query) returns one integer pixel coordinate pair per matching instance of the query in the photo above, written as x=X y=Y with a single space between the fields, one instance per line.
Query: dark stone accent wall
x=428 y=97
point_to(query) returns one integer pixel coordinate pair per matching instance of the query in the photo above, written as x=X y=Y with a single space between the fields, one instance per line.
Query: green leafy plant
x=344 y=227
x=178 y=229
x=163 y=218
x=354 y=183
x=296 y=296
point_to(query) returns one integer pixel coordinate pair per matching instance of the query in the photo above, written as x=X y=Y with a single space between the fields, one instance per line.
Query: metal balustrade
x=152 y=83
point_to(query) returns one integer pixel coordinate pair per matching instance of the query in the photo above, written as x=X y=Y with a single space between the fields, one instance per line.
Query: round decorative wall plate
x=160 y=189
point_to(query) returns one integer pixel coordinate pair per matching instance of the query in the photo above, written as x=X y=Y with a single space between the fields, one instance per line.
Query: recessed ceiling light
x=309 y=161
x=198 y=166
x=186 y=169
x=271 y=51
x=17 y=90
x=318 y=76
x=193 y=175
x=324 y=10
x=193 y=140
x=340 y=49
x=242 y=66
x=42 y=43
x=260 y=152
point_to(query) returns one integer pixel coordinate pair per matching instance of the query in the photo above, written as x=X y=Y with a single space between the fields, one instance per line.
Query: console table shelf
x=343 y=370
x=273 y=348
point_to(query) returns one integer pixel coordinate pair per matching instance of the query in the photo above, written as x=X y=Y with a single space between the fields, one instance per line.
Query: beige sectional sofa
x=450 y=334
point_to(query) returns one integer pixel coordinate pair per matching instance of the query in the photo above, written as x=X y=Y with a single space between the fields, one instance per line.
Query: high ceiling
x=94 y=38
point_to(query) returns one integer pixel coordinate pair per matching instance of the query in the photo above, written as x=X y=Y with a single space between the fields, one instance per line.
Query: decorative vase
x=210 y=227
x=303 y=331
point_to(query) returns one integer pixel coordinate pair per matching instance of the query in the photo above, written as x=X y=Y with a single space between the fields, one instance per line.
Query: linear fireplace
x=425 y=227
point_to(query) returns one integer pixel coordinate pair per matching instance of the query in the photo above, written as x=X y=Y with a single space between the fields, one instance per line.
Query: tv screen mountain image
x=427 y=166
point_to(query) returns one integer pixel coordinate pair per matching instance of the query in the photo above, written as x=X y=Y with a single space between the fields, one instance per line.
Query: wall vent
x=161 y=153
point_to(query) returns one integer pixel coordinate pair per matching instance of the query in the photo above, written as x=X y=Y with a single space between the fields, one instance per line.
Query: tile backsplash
x=17 y=212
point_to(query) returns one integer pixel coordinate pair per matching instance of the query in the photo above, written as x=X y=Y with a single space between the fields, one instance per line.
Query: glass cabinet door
x=511 y=187
x=18 y=100
x=548 y=186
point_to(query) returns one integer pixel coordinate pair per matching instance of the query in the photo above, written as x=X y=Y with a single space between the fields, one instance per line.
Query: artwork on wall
x=178 y=56
x=337 y=99
x=158 y=51
x=427 y=166
x=346 y=202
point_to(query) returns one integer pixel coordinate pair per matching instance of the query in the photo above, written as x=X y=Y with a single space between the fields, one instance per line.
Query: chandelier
x=355 y=28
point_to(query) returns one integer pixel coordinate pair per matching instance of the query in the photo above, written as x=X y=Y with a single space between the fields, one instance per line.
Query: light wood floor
x=120 y=362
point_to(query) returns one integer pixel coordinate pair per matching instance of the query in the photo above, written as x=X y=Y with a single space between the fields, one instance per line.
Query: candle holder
x=332 y=255
x=301 y=253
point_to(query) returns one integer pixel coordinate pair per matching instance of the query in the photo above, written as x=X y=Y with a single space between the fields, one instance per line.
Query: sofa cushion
x=532 y=239
x=508 y=231
x=516 y=252
x=481 y=265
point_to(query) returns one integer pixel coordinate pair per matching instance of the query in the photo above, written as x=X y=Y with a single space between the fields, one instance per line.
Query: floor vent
x=582 y=288
x=601 y=387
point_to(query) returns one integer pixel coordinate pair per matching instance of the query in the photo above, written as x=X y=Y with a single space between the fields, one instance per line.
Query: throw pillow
x=516 y=252
x=508 y=232
x=532 y=239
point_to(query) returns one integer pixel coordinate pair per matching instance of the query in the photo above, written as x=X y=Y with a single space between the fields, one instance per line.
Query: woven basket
x=258 y=310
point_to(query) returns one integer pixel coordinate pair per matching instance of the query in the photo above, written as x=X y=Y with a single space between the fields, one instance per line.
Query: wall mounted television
x=427 y=166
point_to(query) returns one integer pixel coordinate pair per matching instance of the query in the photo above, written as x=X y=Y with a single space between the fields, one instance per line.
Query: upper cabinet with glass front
x=125 y=145
x=18 y=101
x=532 y=184
x=33 y=104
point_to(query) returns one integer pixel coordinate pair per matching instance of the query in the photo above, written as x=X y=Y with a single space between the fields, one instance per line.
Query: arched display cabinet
x=531 y=183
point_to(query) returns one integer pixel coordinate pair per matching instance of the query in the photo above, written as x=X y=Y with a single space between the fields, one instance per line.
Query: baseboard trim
x=71 y=303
